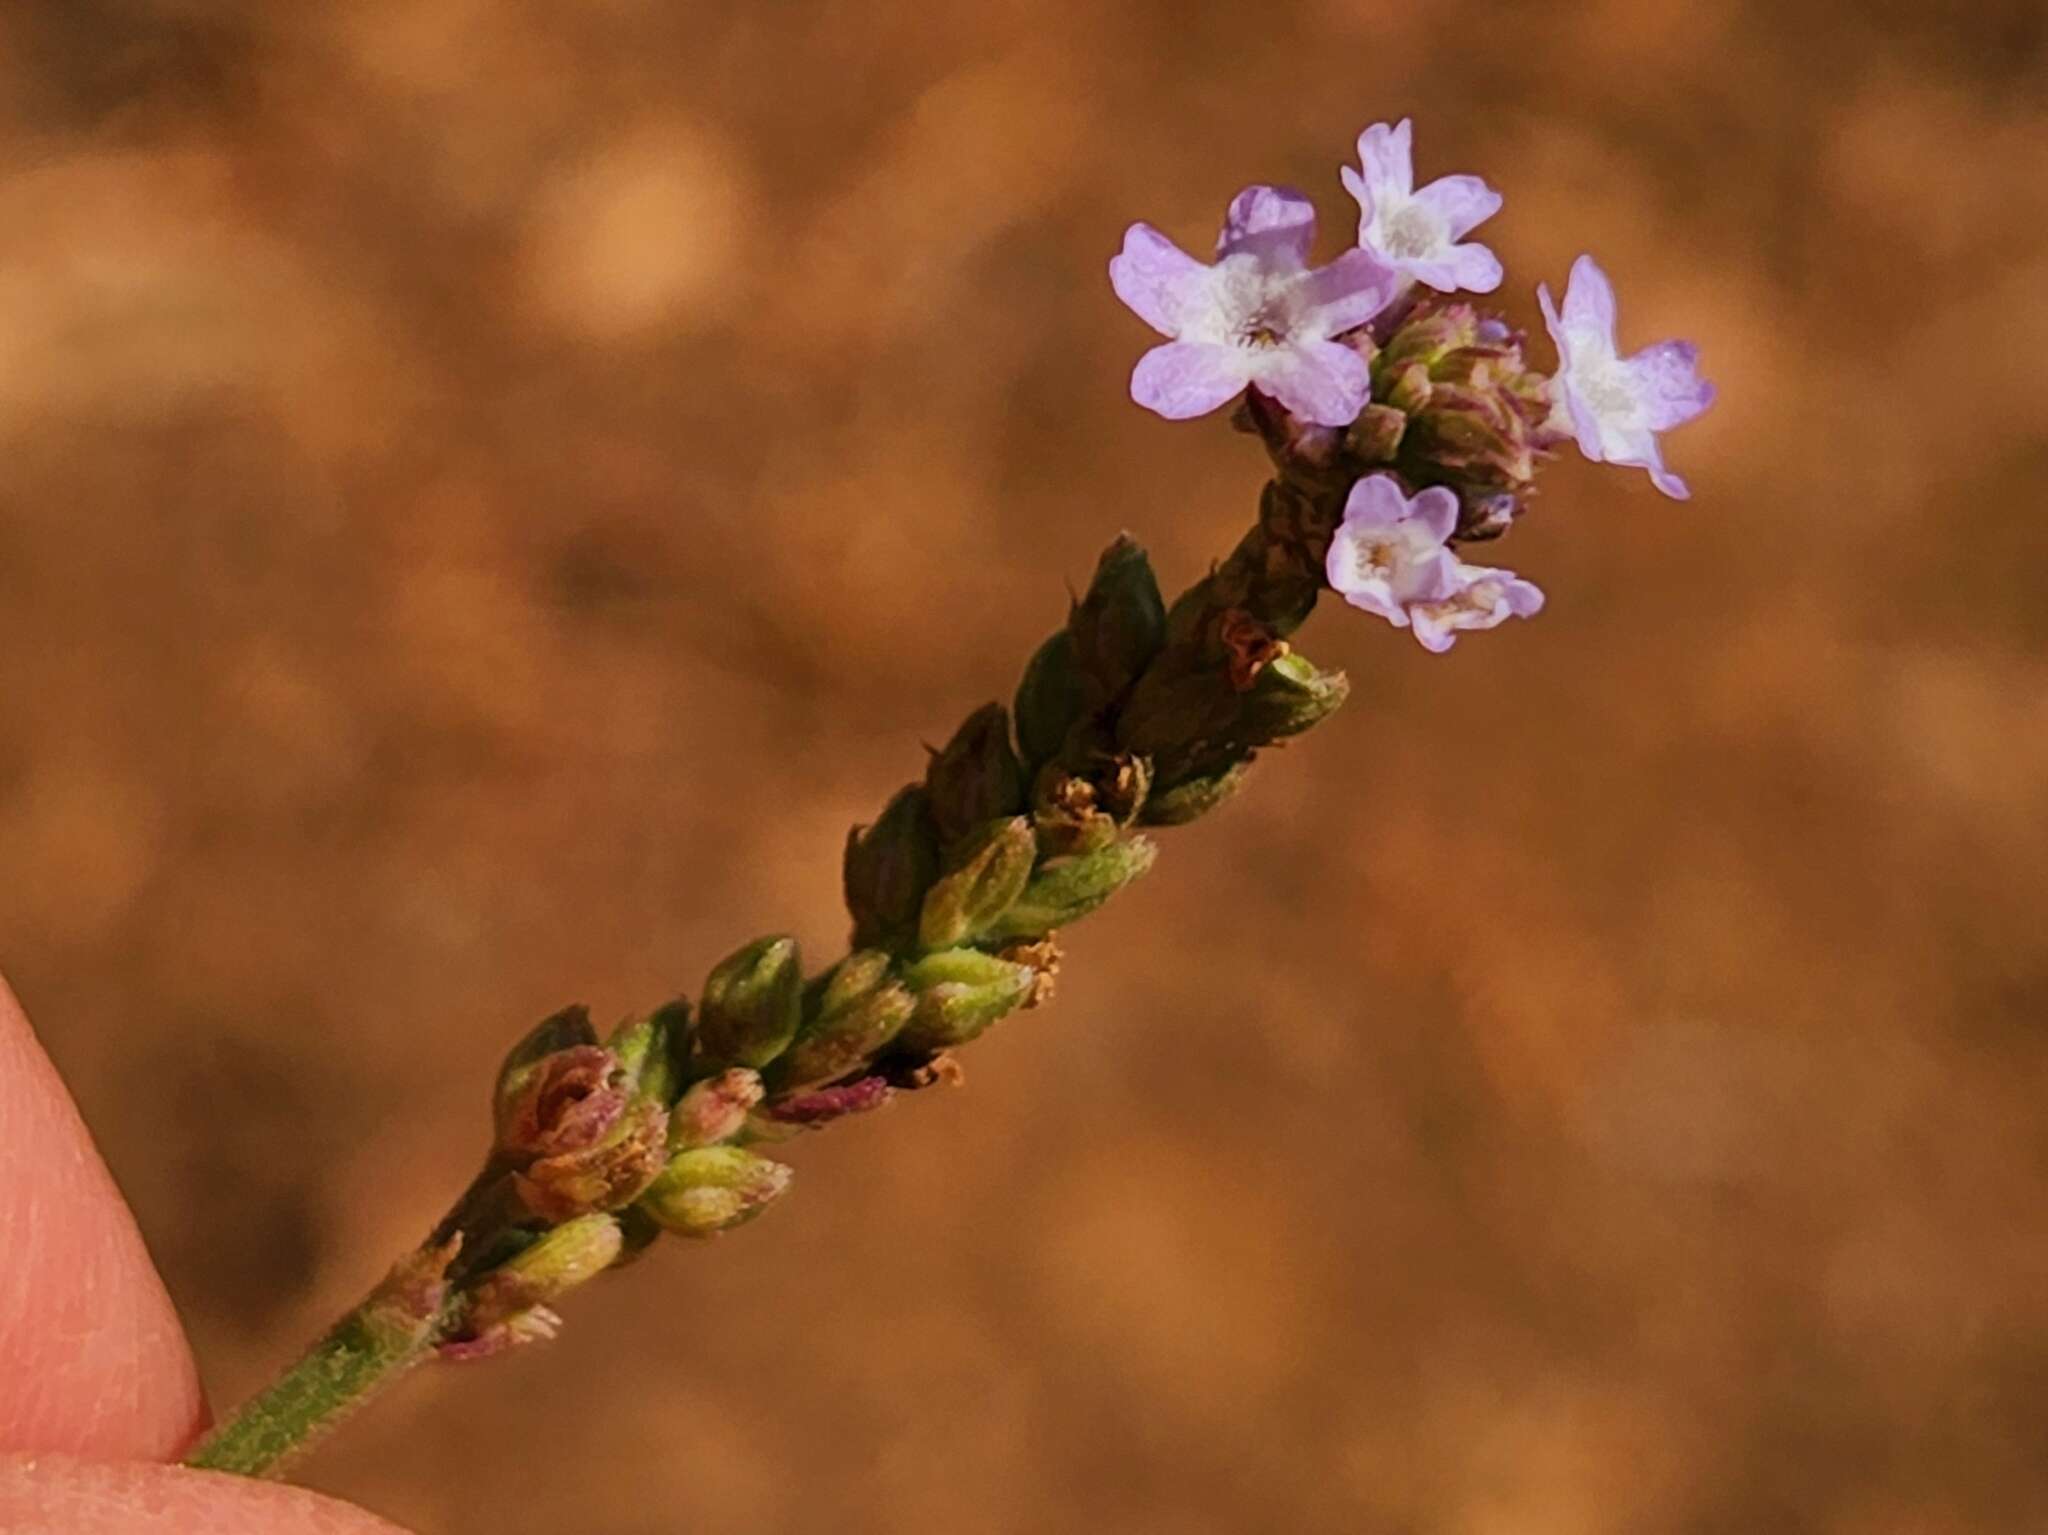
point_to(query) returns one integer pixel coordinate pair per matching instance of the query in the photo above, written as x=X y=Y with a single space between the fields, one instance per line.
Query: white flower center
x=1249 y=306
x=1602 y=381
x=1410 y=233
x=1372 y=559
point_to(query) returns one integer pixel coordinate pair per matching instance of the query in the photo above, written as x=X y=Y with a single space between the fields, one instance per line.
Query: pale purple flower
x=1481 y=597
x=1259 y=316
x=1418 y=232
x=1617 y=405
x=1391 y=556
x=1390 y=550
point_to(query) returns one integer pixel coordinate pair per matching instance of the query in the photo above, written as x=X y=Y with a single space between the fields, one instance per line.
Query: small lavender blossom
x=1418 y=231
x=1617 y=405
x=1390 y=551
x=1260 y=316
x=1390 y=556
x=1481 y=597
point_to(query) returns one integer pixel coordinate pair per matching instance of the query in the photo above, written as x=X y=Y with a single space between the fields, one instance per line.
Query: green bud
x=645 y=1052
x=1375 y=437
x=570 y=1255
x=1289 y=696
x=753 y=1001
x=1066 y=889
x=561 y=1031
x=1408 y=389
x=513 y=1305
x=1476 y=411
x=1050 y=699
x=710 y=1189
x=1175 y=708
x=853 y=978
x=987 y=875
x=959 y=993
x=1193 y=798
x=1120 y=625
x=714 y=1109
x=889 y=866
x=843 y=1039
x=976 y=777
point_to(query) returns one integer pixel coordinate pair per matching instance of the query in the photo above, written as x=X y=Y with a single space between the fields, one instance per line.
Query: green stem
x=396 y=1328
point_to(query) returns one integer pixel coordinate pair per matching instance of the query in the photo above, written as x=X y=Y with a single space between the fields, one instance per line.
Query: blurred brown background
x=488 y=492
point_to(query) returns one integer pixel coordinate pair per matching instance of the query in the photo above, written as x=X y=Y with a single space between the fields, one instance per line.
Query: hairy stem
x=395 y=1328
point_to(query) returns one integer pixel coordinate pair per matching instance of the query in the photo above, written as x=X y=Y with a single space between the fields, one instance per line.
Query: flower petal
x=1462 y=202
x=1524 y=599
x=1589 y=300
x=1435 y=635
x=1273 y=224
x=1156 y=278
x=1436 y=509
x=1670 y=484
x=1387 y=158
x=1554 y=323
x=1184 y=379
x=1641 y=450
x=1470 y=268
x=1374 y=502
x=1319 y=381
x=1349 y=291
x=1667 y=380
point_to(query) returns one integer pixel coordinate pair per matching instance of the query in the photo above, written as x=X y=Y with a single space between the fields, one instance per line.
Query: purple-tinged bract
x=1260 y=316
x=1617 y=405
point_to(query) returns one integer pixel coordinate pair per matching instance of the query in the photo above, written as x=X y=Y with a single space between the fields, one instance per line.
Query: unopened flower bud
x=1174 y=706
x=1289 y=696
x=646 y=1050
x=1475 y=409
x=1050 y=700
x=753 y=1001
x=562 y=1031
x=852 y=978
x=1375 y=437
x=841 y=1040
x=1481 y=518
x=889 y=866
x=975 y=777
x=508 y=1305
x=821 y=1107
x=960 y=992
x=1066 y=889
x=713 y=1188
x=1119 y=626
x=1194 y=797
x=714 y=1109
x=988 y=873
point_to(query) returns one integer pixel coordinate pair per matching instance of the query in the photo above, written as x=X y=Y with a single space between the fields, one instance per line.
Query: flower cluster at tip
x=1367 y=369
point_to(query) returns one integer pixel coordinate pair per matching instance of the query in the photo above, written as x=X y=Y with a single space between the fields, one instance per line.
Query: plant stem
x=371 y=1346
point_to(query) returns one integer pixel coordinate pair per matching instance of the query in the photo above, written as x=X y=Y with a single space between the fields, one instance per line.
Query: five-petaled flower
x=1260 y=316
x=1617 y=405
x=1390 y=556
x=1418 y=231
